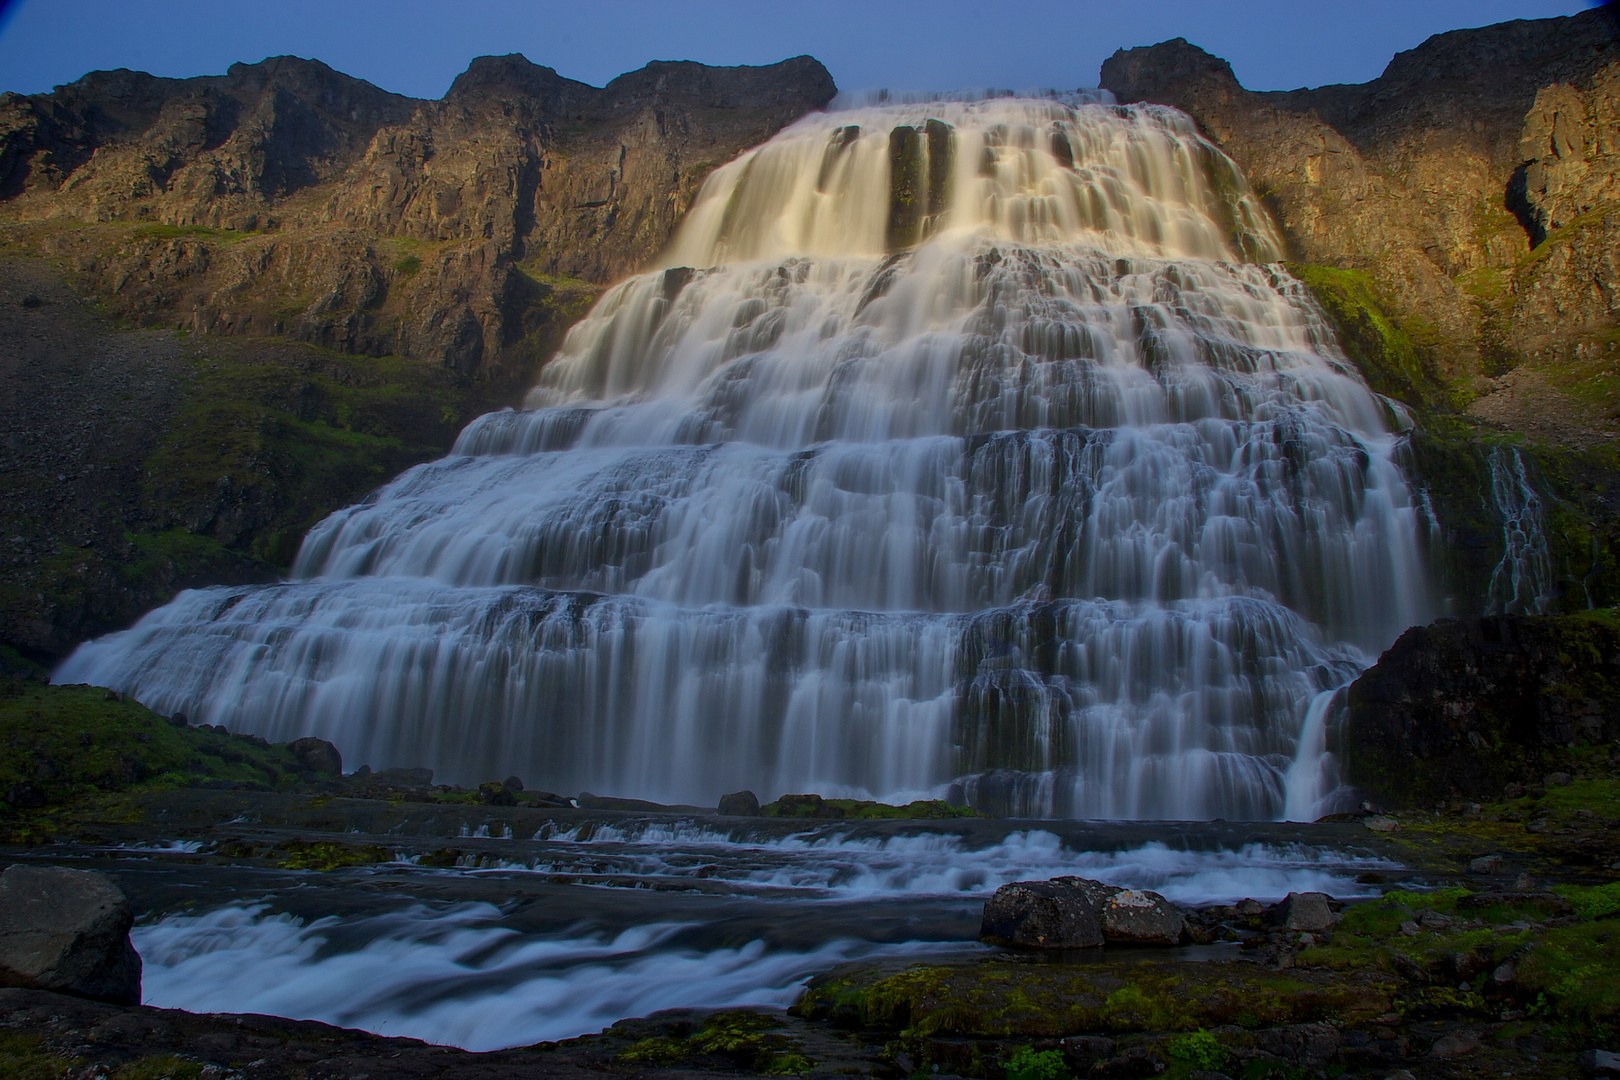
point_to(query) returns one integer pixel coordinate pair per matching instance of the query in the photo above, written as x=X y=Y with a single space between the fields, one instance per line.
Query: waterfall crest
x=977 y=448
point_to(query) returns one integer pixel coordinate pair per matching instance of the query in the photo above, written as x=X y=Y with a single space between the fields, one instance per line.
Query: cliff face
x=1463 y=707
x=1473 y=181
x=287 y=199
x=423 y=257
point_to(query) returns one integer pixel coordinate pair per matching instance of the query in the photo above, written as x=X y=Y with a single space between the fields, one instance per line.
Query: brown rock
x=1309 y=911
x=1438 y=177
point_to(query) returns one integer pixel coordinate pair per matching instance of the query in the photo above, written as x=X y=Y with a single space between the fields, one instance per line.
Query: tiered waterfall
x=980 y=448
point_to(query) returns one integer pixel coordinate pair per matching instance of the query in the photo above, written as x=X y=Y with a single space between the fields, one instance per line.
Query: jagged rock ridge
x=1473 y=180
x=285 y=198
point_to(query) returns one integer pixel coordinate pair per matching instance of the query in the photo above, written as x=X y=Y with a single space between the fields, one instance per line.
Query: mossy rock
x=816 y=807
x=1389 y=359
x=736 y=1039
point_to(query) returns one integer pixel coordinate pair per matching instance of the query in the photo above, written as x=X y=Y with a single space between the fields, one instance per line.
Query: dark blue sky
x=416 y=48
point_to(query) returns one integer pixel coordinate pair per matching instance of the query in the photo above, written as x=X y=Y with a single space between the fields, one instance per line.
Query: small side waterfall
x=1521 y=583
x=978 y=448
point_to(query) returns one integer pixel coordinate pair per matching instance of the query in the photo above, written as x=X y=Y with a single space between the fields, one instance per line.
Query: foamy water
x=475 y=975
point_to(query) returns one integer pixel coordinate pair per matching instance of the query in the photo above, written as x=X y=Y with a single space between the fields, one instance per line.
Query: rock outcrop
x=1077 y=913
x=1472 y=181
x=67 y=931
x=739 y=804
x=1464 y=707
x=1041 y=915
x=424 y=256
x=285 y=198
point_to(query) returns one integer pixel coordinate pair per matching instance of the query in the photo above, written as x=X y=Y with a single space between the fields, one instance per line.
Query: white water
x=464 y=975
x=985 y=451
x=1521 y=583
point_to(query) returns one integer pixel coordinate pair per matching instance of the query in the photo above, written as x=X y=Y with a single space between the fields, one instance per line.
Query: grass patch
x=1028 y=1063
x=1391 y=356
x=66 y=744
x=262 y=448
x=740 y=1039
x=25 y=1057
x=1016 y=1000
x=160 y=1067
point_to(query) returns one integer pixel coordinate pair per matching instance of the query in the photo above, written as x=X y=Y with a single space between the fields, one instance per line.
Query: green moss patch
x=814 y=806
x=266 y=445
x=327 y=855
x=62 y=744
x=1391 y=361
x=737 y=1039
x=1000 y=999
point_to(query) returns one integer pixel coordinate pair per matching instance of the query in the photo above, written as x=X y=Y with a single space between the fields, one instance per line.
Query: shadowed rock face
x=303 y=203
x=1438 y=178
x=1466 y=706
x=67 y=931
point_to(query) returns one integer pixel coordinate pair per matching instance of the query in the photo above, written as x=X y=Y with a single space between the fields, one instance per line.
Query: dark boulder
x=1304 y=1046
x=317 y=755
x=740 y=804
x=67 y=931
x=1041 y=915
x=1131 y=916
x=495 y=793
x=1467 y=707
x=1309 y=912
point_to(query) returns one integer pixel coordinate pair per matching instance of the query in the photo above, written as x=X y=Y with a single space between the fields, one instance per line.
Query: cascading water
x=958 y=444
x=1521 y=583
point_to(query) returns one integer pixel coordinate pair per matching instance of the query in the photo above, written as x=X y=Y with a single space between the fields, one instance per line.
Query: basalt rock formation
x=1465 y=707
x=1472 y=182
x=1456 y=218
x=286 y=198
x=235 y=303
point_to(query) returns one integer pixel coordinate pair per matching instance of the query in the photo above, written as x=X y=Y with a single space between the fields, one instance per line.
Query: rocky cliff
x=284 y=198
x=1465 y=707
x=1456 y=217
x=229 y=305
x=1472 y=181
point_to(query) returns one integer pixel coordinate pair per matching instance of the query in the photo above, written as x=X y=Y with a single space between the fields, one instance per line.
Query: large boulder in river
x=67 y=931
x=1041 y=915
x=1131 y=916
x=1075 y=912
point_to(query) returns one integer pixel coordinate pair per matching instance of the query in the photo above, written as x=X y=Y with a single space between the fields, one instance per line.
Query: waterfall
x=1521 y=583
x=968 y=448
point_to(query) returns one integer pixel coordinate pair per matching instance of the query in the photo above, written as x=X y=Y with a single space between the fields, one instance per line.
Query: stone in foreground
x=67 y=931
x=317 y=755
x=1309 y=912
x=1041 y=915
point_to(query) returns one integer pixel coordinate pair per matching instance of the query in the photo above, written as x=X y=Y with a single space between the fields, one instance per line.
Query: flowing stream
x=979 y=449
x=651 y=917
